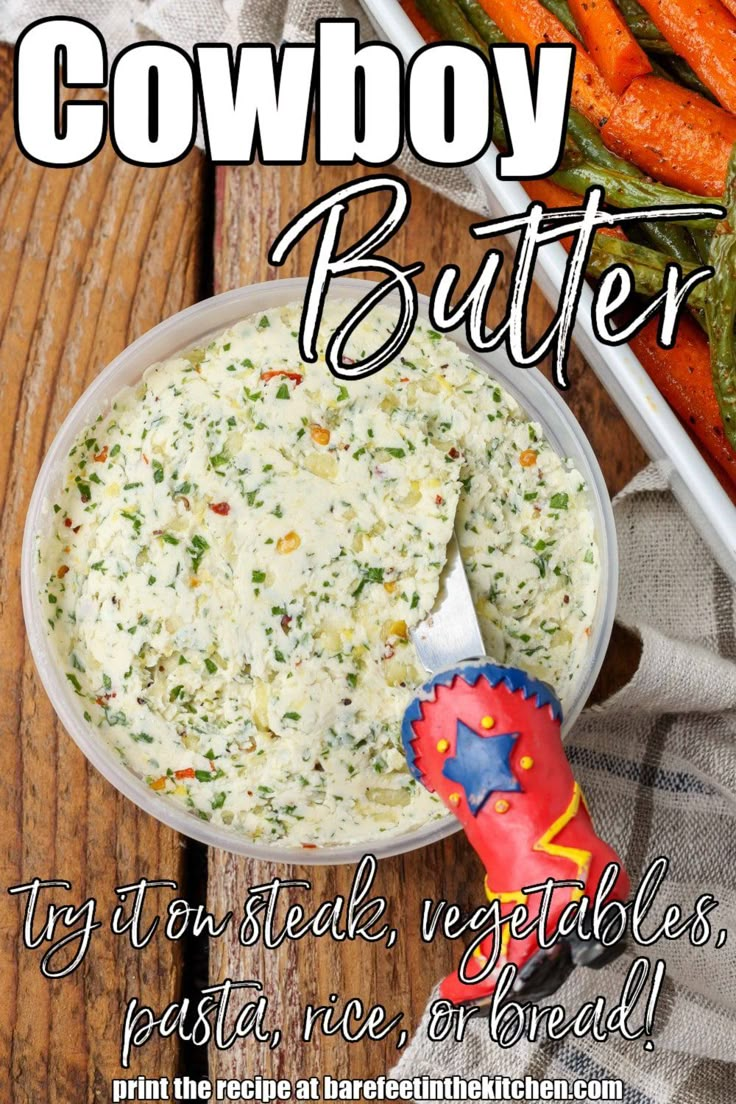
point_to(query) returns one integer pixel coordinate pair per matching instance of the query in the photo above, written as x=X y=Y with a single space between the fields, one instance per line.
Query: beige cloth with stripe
x=657 y=761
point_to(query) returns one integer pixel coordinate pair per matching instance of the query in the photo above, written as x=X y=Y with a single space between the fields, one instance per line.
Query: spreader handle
x=487 y=740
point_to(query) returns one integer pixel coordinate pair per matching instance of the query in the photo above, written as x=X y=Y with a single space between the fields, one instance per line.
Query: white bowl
x=192 y=327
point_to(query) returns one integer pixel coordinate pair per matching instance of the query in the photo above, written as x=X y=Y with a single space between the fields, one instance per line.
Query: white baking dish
x=646 y=411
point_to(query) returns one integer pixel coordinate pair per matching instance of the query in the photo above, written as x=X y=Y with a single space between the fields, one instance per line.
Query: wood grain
x=90 y=258
x=252 y=205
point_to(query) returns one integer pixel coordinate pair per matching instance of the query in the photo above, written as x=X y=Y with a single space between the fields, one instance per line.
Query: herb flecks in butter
x=231 y=578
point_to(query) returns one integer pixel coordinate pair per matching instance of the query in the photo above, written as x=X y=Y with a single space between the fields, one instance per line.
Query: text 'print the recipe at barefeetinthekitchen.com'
x=367 y=105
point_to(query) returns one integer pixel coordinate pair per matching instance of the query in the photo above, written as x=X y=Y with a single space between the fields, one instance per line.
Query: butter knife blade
x=450 y=634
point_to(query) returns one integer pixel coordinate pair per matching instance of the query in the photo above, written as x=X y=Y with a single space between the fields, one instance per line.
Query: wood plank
x=90 y=258
x=252 y=205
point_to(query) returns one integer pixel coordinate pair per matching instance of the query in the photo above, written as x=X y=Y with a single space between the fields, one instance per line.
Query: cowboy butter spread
x=243 y=542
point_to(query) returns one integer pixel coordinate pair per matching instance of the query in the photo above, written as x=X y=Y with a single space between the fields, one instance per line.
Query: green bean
x=670 y=238
x=655 y=47
x=642 y=27
x=481 y=22
x=560 y=9
x=450 y=22
x=677 y=69
x=702 y=240
x=720 y=308
x=500 y=139
x=486 y=31
x=628 y=191
x=647 y=266
x=588 y=140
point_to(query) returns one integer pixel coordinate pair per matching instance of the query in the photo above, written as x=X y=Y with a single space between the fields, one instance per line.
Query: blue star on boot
x=482 y=765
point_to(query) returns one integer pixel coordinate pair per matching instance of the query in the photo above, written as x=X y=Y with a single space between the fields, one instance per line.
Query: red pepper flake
x=212 y=765
x=221 y=508
x=144 y=457
x=76 y=528
x=453 y=453
x=404 y=379
x=68 y=522
x=286 y=623
x=309 y=846
x=188 y=772
x=295 y=376
x=439 y=500
x=101 y=456
x=99 y=701
x=62 y=571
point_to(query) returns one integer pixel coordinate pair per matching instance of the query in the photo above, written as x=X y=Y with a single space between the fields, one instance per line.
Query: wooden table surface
x=89 y=259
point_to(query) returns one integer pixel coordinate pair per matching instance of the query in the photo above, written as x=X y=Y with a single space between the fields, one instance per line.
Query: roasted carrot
x=683 y=375
x=704 y=33
x=422 y=24
x=552 y=195
x=609 y=42
x=529 y=22
x=672 y=134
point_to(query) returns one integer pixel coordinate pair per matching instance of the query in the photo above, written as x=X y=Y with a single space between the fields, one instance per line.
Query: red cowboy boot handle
x=487 y=740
